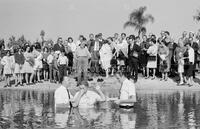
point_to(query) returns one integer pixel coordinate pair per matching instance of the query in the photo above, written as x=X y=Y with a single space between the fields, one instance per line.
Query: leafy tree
x=11 y=41
x=42 y=34
x=197 y=16
x=138 y=20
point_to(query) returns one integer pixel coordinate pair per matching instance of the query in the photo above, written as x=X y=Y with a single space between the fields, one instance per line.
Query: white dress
x=152 y=51
x=7 y=62
x=105 y=56
x=38 y=61
x=28 y=68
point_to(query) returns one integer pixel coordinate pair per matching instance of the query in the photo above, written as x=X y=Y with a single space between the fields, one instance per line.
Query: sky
x=67 y=18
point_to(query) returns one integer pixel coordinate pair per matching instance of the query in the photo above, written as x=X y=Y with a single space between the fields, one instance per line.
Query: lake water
x=154 y=110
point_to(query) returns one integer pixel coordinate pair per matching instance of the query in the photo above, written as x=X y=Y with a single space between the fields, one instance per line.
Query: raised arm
x=99 y=91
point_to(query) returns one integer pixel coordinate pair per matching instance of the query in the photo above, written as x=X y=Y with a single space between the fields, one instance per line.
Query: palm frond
x=132 y=24
x=137 y=14
x=129 y=24
x=149 y=18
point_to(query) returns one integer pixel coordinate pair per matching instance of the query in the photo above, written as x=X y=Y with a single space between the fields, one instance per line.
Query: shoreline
x=112 y=84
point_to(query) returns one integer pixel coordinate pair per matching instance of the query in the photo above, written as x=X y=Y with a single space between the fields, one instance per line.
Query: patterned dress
x=8 y=63
x=29 y=63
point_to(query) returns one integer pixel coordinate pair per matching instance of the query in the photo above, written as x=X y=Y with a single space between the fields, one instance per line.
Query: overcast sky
x=73 y=17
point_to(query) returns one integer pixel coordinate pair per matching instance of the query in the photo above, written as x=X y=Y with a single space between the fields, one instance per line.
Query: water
x=154 y=110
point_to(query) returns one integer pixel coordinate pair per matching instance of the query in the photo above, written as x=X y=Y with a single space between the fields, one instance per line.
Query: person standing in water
x=84 y=98
x=127 y=91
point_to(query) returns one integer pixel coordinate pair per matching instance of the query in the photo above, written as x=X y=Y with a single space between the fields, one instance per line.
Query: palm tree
x=197 y=16
x=138 y=20
x=42 y=34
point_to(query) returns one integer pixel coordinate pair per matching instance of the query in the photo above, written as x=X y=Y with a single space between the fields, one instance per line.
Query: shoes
x=99 y=80
x=90 y=79
x=152 y=78
x=190 y=85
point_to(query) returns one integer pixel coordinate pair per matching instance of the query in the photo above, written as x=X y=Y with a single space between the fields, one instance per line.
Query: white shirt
x=50 y=59
x=61 y=96
x=72 y=46
x=96 y=46
x=62 y=60
x=78 y=43
x=88 y=99
x=153 y=50
x=127 y=90
x=191 y=55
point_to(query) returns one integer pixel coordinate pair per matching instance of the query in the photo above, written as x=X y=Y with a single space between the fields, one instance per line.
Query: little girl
x=7 y=62
x=181 y=68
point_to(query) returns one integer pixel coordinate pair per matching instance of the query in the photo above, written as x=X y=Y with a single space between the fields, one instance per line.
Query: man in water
x=127 y=92
x=84 y=98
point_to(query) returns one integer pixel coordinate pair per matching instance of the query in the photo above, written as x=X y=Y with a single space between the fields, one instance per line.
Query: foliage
x=21 y=41
x=42 y=33
x=197 y=16
x=138 y=20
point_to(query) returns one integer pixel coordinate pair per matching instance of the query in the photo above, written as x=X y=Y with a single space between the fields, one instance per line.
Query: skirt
x=27 y=68
x=152 y=64
x=7 y=70
x=180 y=68
x=45 y=66
x=18 y=69
x=188 y=70
x=143 y=59
x=38 y=65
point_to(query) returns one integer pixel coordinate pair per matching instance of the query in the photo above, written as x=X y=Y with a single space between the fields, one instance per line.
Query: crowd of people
x=152 y=56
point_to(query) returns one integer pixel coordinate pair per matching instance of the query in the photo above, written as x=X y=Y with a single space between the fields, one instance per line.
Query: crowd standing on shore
x=152 y=56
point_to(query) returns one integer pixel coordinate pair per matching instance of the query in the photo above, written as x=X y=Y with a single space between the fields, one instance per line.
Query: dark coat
x=136 y=49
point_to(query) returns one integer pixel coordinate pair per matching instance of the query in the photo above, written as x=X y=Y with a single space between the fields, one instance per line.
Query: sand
x=111 y=84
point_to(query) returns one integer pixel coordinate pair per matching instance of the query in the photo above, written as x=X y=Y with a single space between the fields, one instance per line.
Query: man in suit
x=134 y=51
x=58 y=47
x=94 y=45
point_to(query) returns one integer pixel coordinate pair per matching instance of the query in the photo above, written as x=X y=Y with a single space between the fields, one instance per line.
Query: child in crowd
x=50 y=59
x=7 y=62
x=181 y=68
x=56 y=73
x=62 y=63
x=38 y=63
x=45 y=54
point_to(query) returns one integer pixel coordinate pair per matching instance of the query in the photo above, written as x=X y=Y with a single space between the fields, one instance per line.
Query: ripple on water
x=22 y=109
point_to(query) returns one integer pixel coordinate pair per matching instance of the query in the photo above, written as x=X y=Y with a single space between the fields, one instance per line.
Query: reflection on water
x=35 y=109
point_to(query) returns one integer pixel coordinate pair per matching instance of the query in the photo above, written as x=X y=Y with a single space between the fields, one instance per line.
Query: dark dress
x=144 y=56
x=44 y=61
